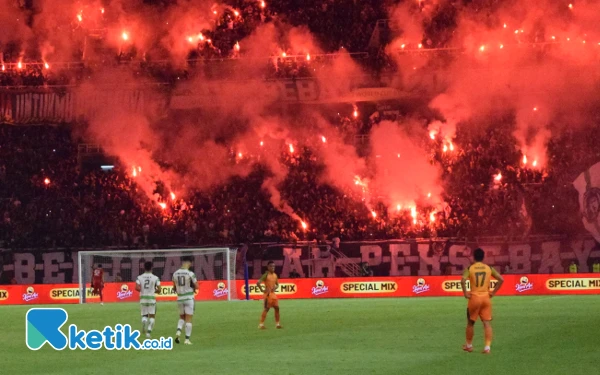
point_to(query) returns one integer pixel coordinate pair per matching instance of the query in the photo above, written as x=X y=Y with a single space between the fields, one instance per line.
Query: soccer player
x=98 y=282
x=271 y=282
x=148 y=285
x=185 y=285
x=480 y=276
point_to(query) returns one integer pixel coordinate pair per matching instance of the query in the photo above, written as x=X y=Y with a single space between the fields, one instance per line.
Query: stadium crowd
x=49 y=199
x=217 y=53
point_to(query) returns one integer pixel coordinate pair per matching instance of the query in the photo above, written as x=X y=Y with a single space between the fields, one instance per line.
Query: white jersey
x=184 y=279
x=148 y=283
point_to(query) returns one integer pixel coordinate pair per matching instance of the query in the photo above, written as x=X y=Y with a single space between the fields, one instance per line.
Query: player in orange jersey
x=480 y=276
x=271 y=283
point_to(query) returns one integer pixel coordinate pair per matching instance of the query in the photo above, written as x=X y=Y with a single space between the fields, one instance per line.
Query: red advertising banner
x=432 y=286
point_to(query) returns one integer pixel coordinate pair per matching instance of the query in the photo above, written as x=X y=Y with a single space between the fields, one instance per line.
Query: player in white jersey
x=185 y=285
x=148 y=285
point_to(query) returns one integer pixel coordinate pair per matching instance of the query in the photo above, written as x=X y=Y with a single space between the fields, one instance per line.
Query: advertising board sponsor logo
x=573 y=284
x=320 y=288
x=369 y=287
x=523 y=285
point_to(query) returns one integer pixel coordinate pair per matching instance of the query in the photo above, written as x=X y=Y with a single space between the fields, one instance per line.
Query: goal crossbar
x=228 y=274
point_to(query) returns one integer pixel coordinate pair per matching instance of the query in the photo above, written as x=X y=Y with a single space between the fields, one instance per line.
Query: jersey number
x=181 y=280
x=479 y=279
x=146 y=284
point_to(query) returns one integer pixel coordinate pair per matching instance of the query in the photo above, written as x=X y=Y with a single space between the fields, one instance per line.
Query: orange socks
x=488 y=336
x=263 y=317
x=470 y=334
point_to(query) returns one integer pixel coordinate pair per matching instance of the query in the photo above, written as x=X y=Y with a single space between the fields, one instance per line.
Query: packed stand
x=47 y=199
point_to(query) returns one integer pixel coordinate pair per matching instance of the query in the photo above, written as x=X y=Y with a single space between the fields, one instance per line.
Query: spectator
x=573 y=267
x=365 y=270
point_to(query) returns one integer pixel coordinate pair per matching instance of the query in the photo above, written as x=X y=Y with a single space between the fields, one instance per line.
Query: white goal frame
x=226 y=250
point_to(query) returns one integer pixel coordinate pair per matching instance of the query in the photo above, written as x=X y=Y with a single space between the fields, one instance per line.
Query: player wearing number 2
x=480 y=276
x=148 y=285
x=185 y=285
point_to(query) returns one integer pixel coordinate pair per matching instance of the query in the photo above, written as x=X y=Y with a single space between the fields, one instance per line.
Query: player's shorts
x=148 y=309
x=186 y=307
x=271 y=300
x=479 y=307
x=97 y=287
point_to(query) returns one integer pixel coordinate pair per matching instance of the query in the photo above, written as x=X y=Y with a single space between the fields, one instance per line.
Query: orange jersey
x=271 y=282
x=480 y=277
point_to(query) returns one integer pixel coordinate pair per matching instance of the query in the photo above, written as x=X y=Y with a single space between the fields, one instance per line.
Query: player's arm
x=194 y=282
x=500 y=280
x=260 y=282
x=157 y=287
x=138 y=285
x=276 y=283
x=174 y=284
x=463 y=283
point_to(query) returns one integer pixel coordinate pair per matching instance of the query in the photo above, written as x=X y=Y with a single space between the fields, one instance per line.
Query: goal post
x=209 y=264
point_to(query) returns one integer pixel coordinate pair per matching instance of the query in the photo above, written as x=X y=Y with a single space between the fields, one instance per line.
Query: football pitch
x=533 y=335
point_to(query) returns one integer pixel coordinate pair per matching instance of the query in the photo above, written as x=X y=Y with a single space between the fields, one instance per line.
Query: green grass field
x=533 y=335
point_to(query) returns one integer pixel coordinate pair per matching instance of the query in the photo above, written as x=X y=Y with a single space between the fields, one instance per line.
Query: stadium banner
x=385 y=258
x=62 y=105
x=55 y=105
x=364 y=287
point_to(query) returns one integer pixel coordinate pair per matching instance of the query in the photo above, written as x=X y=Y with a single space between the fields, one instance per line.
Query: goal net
x=215 y=264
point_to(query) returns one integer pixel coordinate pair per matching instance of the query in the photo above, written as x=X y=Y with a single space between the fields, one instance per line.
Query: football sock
x=470 y=334
x=188 y=330
x=179 y=326
x=277 y=317
x=151 y=325
x=144 y=322
x=263 y=317
x=488 y=336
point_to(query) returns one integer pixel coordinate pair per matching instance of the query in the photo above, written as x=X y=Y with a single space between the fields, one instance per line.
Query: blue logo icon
x=43 y=326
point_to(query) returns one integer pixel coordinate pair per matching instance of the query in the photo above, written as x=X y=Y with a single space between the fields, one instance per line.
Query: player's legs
x=181 y=321
x=189 y=315
x=473 y=308
x=486 y=317
x=151 y=311
x=263 y=316
x=274 y=303
x=101 y=289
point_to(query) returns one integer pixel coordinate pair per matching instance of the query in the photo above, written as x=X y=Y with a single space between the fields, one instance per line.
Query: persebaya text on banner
x=43 y=325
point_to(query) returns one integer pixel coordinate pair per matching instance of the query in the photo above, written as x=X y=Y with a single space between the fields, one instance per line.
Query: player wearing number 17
x=148 y=285
x=480 y=276
x=185 y=285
